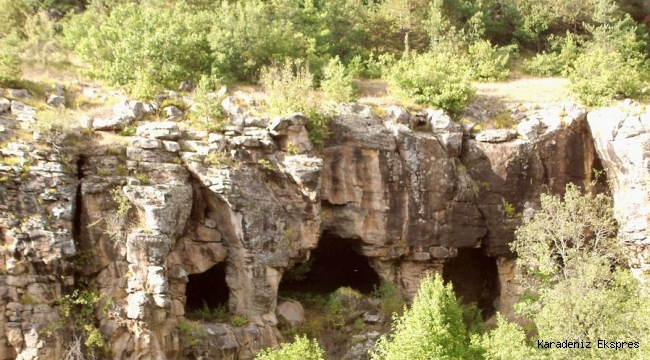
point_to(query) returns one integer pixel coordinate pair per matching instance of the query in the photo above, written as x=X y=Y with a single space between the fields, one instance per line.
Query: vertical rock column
x=162 y=211
x=622 y=139
x=37 y=210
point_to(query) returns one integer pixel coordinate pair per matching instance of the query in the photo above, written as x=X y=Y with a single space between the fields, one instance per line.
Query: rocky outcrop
x=410 y=199
x=133 y=218
x=622 y=138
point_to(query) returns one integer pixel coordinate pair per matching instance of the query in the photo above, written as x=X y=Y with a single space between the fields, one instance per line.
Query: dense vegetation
x=577 y=290
x=428 y=50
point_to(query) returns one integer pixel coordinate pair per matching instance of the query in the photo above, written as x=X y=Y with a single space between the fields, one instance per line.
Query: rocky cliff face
x=135 y=218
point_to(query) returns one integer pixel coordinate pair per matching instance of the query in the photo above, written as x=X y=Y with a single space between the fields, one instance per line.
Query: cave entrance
x=333 y=264
x=475 y=278
x=208 y=288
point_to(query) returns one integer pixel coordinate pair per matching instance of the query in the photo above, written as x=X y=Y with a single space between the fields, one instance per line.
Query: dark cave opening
x=475 y=278
x=333 y=264
x=208 y=288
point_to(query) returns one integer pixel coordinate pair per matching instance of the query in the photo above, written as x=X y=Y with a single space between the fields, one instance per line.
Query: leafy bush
x=216 y=314
x=599 y=75
x=577 y=276
x=440 y=79
x=337 y=83
x=300 y=349
x=432 y=328
x=206 y=112
x=288 y=88
x=562 y=230
x=506 y=342
x=42 y=39
x=391 y=298
x=12 y=16
x=246 y=38
x=318 y=127
x=143 y=47
x=489 y=63
x=564 y=52
x=613 y=64
x=9 y=61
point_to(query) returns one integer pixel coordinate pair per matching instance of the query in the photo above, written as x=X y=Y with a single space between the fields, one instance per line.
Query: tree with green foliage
x=613 y=63
x=506 y=342
x=578 y=287
x=337 y=83
x=432 y=328
x=439 y=79
x=300 y=349
x=143 y=47
x=10 y=48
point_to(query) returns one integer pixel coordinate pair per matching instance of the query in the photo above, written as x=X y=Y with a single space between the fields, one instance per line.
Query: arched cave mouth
x=475 y=278
x=333 y=264
x=209 y=288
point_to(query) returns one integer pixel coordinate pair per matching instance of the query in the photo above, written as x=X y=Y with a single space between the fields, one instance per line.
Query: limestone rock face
x=411 y=198
x=622 y=139
x=38 y=198
x=138 y=217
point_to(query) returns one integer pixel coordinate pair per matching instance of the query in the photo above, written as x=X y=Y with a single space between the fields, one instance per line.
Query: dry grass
x=517 y=89
x=526 y=89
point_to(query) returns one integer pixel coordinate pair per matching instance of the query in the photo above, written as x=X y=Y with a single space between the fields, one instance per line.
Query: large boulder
x=290 y=314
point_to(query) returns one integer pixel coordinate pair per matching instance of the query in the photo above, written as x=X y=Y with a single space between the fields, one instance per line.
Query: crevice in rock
x=475 y=278
x=209 y=288
x=335 y=263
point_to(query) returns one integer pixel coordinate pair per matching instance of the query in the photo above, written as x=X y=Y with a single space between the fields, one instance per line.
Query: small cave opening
x=333 y=264
x=475 y=278
x=209 y=288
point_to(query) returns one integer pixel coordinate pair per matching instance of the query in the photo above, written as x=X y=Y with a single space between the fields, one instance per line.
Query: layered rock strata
x=133 y=217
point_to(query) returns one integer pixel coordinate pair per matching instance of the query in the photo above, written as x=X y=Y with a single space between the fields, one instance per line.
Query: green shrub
x=143 y=47
x=238 y=321
x=288 y=88
x=42 y=39
x=564 y=52
x=206 y=112
x=440 y=79
x=378 y=67
x=318 y=127
x=9 y=58
x=544 y=64
x=432 y=328
x=12 y=16
x=247 y=39
x=391 y=298
x=337 y=84
x=599 y=75
x=300 y=349
x=217 y=314
x=506 y=342
x=489 y=63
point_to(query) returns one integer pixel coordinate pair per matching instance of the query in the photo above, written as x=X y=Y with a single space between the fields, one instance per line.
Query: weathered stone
x=188 y=86
x=23 y=113
x=147 y=248
x=165 y=130
x=496 y=136
x=19 y=94
x=397 y=114
x=56 y=101
x=5 y=104
x=370 y=319
x=111 y=123
x=172 y=113
x=291 y=314
x=129 y=110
